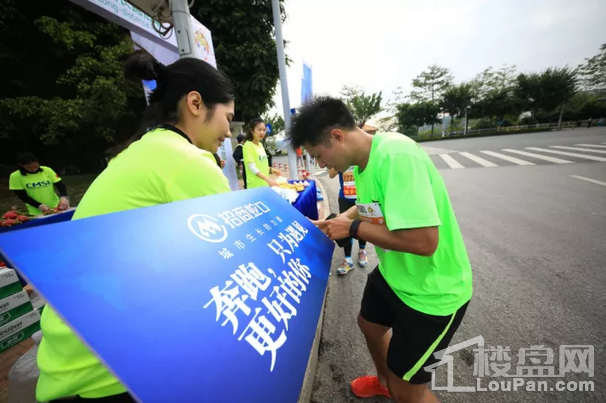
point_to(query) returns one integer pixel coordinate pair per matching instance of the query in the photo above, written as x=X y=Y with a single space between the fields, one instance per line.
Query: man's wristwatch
x=353 y=228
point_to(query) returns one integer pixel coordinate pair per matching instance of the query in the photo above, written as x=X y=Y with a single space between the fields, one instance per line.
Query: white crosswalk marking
x=452 y=163
x=580 y=149
x=539 y=156
x=507 y=158
x=576 y=155
x=590 y=145
x=588 y=180
x=479 y=160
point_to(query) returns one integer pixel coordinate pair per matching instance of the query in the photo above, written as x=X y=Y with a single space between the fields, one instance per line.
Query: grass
x=76 y=187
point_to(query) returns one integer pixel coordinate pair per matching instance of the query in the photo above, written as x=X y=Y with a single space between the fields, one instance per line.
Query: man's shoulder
x=395 y=143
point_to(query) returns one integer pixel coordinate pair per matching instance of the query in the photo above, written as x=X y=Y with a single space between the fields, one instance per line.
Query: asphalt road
x=536 y=237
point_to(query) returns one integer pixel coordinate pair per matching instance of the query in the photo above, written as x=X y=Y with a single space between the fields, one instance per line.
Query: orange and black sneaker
x=368 y=386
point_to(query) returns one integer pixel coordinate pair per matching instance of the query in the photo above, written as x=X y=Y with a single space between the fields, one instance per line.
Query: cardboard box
x=38 y=302
x=9 y=283
x=14 y=306
x=19 y=329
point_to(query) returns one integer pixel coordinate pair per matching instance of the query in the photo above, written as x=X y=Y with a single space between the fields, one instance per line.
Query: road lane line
x=589 y=180
x=516 y=161
x=590 y=145
x=452 y=163
x=539 y=156
x=583 y=156
x=580 y=149
x=479 y=160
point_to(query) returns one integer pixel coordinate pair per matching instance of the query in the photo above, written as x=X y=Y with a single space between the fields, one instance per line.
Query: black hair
x=240 y=138
x=314 y=121
x=173 y=82
x=251 y=128
x=25 y=158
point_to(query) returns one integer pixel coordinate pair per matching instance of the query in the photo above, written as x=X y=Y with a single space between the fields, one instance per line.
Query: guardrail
x=503 y=129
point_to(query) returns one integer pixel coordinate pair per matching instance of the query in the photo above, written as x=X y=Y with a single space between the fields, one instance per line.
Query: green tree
x=497 y=105
x=456 y=100
x=430 y=85
x=491 y=80
x=593 y=72
x=362 y=106
x=547 y=91
x=245 y=47
x=62 y=91
x=417 y=115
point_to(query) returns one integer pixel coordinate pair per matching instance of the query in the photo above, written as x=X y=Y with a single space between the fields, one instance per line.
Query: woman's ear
x=195 y=105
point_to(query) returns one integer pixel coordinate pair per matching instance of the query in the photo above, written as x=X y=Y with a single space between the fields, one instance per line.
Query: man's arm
x=418 y=241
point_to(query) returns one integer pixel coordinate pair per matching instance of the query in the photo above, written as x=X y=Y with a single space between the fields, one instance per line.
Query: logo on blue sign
x=207 y=228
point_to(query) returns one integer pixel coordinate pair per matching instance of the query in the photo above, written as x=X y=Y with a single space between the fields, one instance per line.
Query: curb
x=312 y=363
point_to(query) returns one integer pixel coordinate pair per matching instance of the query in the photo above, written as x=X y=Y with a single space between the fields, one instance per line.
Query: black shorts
x=345 y=204
x=416 y=335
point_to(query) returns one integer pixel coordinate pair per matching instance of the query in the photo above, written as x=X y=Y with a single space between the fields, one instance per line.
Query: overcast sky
x=383 y=44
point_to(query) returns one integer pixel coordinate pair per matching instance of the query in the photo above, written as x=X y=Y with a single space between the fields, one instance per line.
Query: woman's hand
x=44 y=208
x=272 y=182
x=63 y=203
x=276 y=171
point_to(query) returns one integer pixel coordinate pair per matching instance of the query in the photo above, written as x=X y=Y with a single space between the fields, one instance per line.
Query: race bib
x=349 y=184
x=371 y=213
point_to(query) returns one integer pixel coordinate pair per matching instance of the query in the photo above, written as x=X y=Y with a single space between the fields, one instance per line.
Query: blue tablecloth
x=35 y=222
x=307 y=203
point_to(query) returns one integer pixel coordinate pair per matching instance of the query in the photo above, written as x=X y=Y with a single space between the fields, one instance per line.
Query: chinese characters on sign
x=265 y=299
x=240 y=216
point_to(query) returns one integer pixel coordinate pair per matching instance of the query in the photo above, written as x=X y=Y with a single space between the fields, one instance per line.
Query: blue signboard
x=306 y=84
x=268 y=128
x=215 y=299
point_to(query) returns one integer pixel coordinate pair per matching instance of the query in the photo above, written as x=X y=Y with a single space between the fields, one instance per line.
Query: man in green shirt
x=422 y=285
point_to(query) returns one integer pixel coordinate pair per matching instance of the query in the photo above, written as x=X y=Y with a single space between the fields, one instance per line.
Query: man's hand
x=337 y=228
x=44 y=208
x=276 y=171
x=222 y=164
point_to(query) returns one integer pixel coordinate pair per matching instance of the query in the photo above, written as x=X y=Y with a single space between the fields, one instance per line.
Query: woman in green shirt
x=170 y=159
x=256 y=163
x=35 y=186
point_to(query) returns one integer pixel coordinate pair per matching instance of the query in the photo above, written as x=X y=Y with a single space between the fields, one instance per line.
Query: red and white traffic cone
x=275 y=165
x=280 y=166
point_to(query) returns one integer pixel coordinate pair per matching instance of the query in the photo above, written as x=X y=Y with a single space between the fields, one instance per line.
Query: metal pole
x=183 y=28
x=292 y=156
x=465 y=129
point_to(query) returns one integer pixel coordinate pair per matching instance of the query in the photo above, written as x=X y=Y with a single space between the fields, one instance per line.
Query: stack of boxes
x=19 y=320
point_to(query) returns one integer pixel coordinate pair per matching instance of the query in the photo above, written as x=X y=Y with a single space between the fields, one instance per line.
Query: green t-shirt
x=255 y=154
x=162 y=167
x=39 y=186
x=401 y=188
